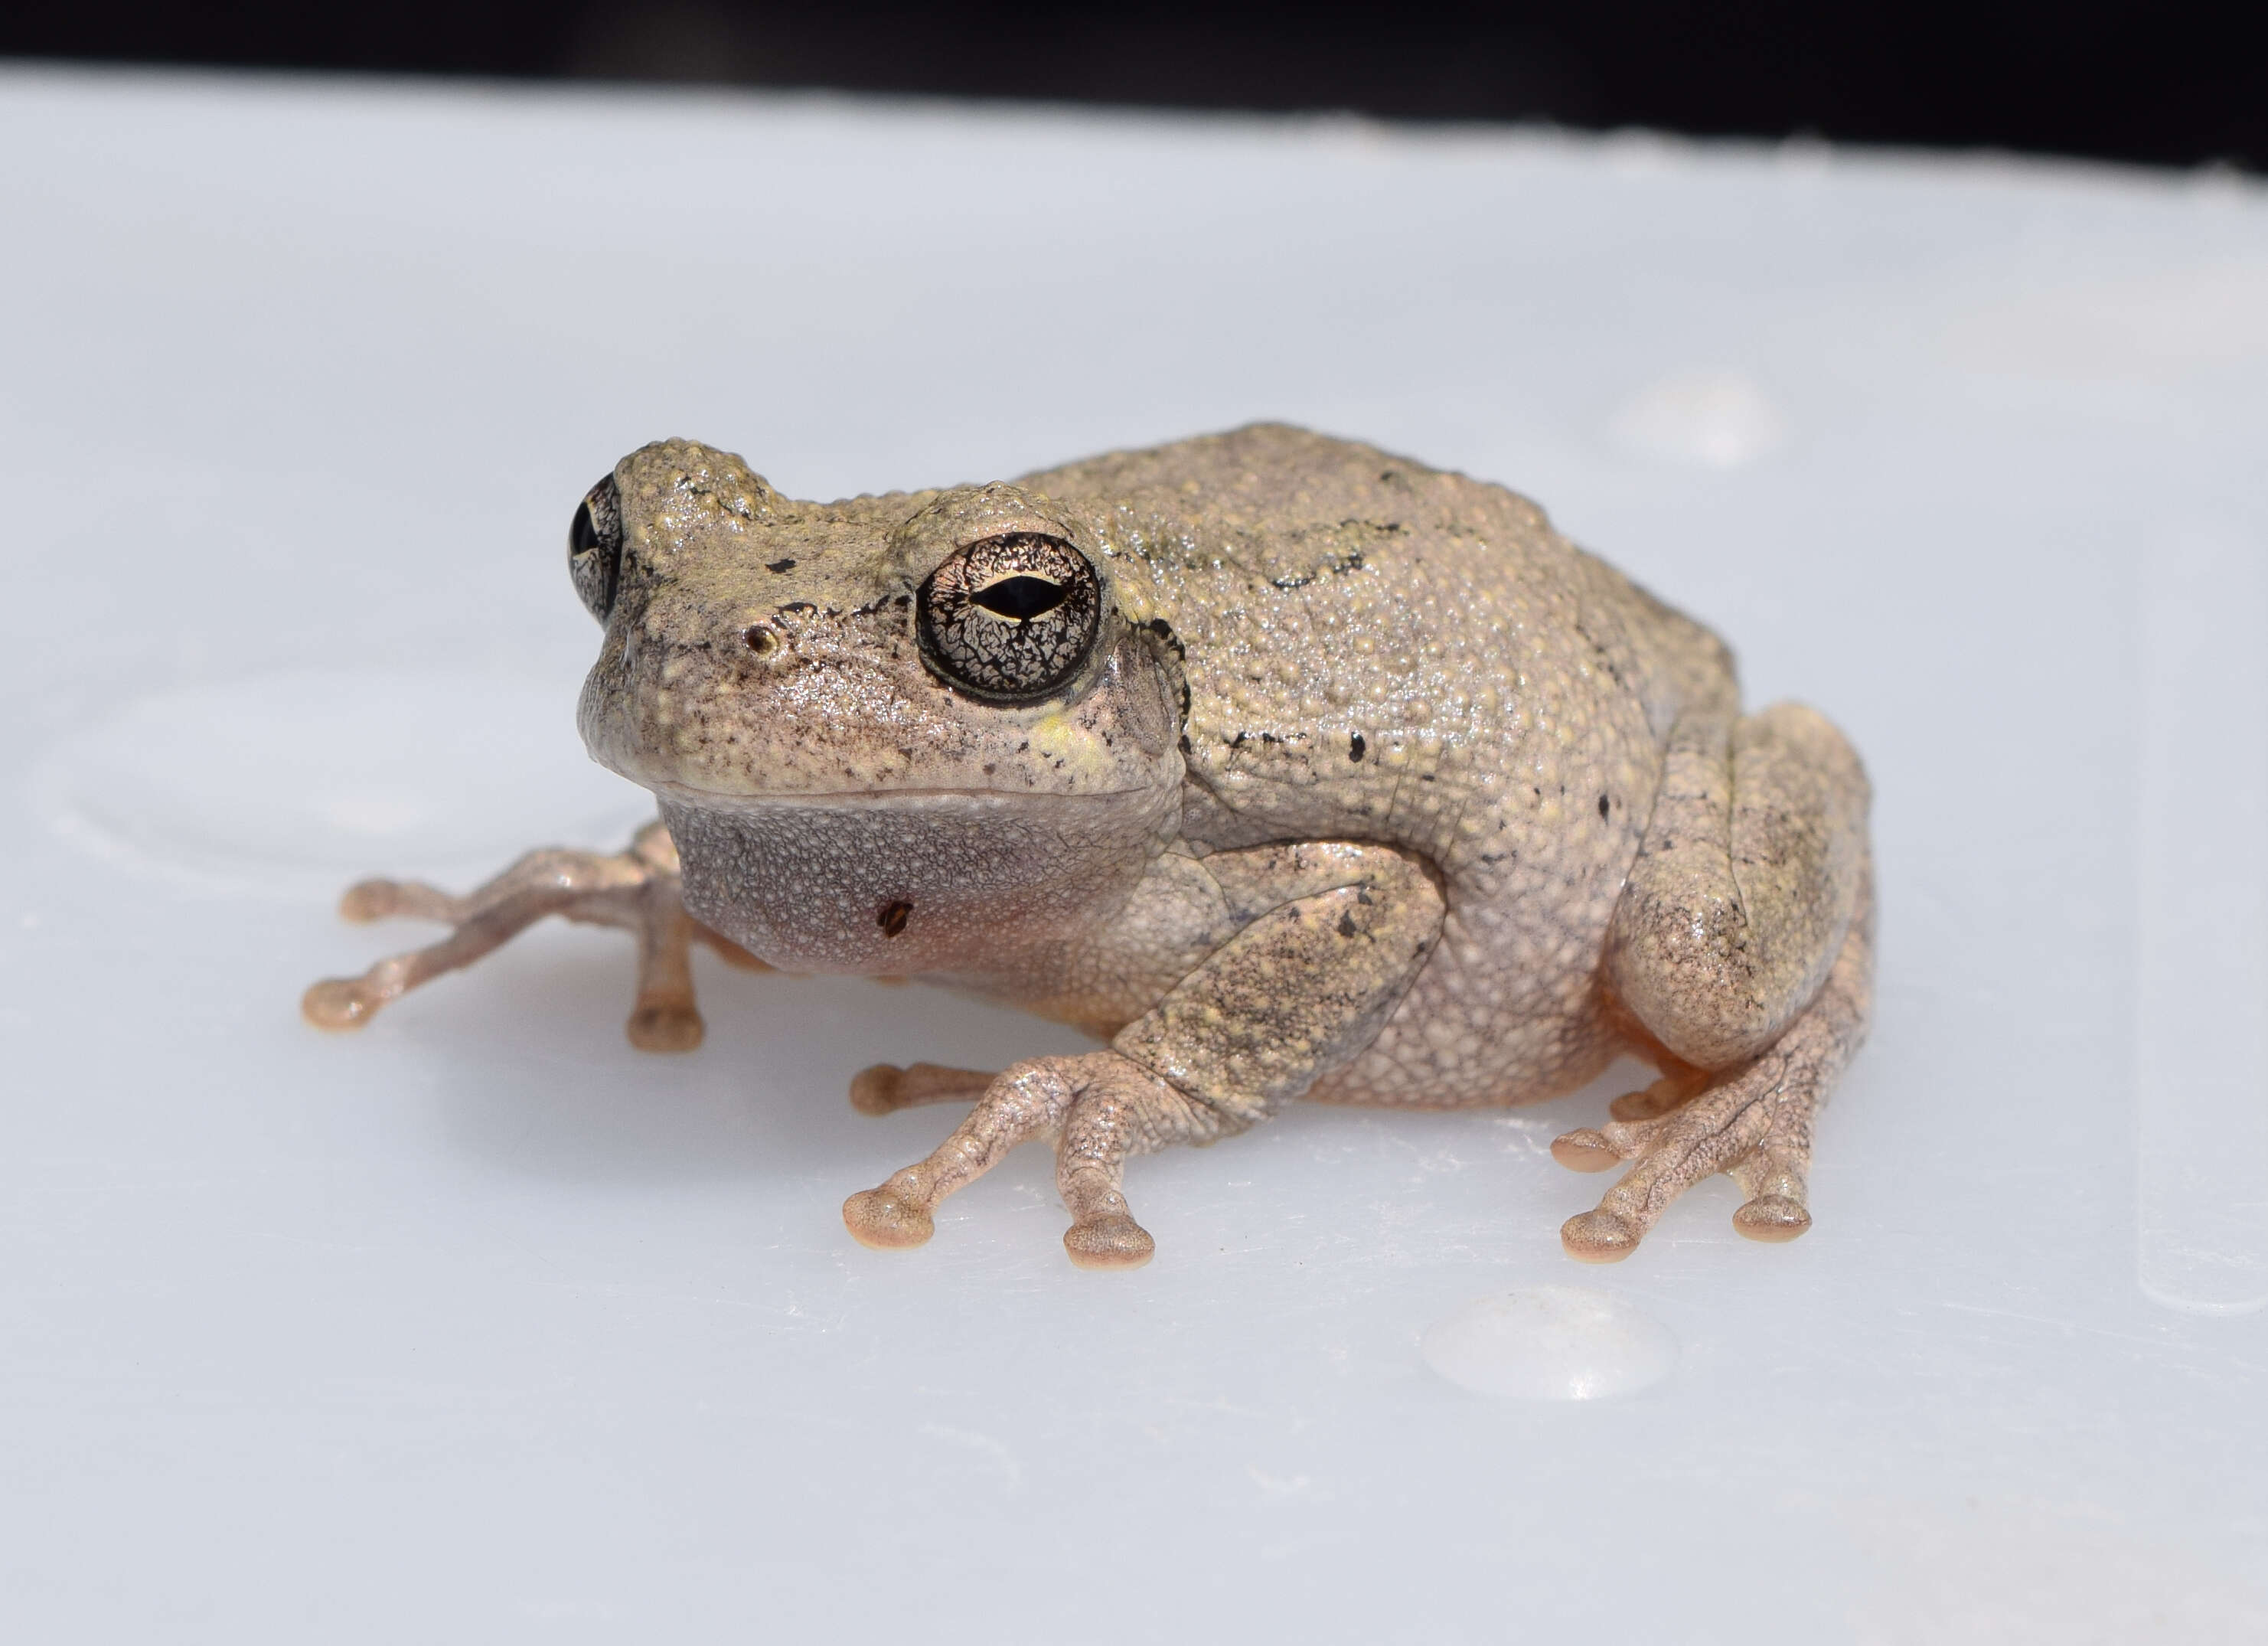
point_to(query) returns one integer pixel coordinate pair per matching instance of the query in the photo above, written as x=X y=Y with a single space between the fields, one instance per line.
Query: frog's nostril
x=759 y=639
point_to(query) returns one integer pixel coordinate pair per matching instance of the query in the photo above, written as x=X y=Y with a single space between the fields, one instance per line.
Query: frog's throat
x=911 y=883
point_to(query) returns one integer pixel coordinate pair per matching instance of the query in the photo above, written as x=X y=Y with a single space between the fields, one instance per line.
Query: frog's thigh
x=1745 y=884
x=1753 y=1122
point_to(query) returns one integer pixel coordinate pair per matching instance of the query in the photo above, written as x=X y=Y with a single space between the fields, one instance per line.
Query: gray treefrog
x=1288 y=768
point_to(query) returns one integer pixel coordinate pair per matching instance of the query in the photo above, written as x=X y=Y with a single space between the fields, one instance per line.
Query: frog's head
x=889 y=734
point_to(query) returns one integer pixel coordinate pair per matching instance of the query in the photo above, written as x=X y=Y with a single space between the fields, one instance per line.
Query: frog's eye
x=1011 y=618
x=594 y=547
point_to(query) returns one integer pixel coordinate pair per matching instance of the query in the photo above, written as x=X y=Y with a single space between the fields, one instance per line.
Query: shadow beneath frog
x=526 y=1058
x=533 y=1078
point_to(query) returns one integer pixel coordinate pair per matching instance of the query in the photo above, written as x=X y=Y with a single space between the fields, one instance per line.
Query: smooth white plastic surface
x=478 y=1325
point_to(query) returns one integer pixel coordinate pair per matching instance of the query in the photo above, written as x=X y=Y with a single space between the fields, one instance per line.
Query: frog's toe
x=665 y=1026
x=339 y=1003
x=890 y=1218
x=875 y=1090
x=1585 y=1150
x=368 y=900
x=1677 y=1086
x=1598 y=1237
x=1772 y=1217
x=884 y=1089
x=1112 y=1241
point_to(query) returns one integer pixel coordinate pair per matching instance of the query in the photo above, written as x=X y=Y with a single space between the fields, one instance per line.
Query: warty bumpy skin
x=1289 y=767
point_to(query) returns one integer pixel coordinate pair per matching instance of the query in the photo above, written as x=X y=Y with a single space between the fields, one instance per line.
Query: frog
x=1286 y=768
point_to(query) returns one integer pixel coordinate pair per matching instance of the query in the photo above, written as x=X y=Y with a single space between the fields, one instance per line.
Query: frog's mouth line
x=710 y=800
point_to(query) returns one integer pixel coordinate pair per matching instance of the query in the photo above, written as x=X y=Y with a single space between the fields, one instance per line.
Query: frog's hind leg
x=1744 y=947
x=1753 y=1123
x=637 y=890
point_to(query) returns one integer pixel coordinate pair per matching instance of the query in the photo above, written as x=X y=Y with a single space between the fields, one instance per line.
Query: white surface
x=285 y=784
x=481 y=1326
x=2201 y=1035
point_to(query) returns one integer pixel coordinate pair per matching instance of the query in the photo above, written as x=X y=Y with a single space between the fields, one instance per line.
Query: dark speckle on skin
x=1602 y=806
x=779 y=565
x=1346 y=926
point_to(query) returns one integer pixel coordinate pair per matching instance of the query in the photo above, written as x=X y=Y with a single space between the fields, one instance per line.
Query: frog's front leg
x=1744 y=946
x=1329 y=936
x=636 y=889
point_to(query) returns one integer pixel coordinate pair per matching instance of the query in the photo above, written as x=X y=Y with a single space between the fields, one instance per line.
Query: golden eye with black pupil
x=594 y=547
x=1010 y=619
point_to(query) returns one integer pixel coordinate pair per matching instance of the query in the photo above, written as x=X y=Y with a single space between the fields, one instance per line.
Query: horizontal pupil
x=1022 y=598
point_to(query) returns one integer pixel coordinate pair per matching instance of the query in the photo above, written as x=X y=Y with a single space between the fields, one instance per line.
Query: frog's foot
x=1752 y=1122
x=636 y=889
x=1755 y=1124
x=1101 y=1106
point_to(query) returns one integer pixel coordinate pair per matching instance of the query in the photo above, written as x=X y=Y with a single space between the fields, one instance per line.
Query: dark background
x=2165 y=83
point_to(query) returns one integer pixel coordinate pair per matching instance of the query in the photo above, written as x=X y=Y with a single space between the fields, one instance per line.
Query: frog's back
x=1379 y=651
